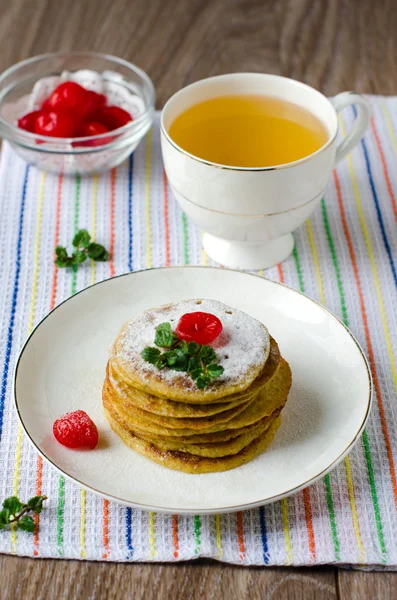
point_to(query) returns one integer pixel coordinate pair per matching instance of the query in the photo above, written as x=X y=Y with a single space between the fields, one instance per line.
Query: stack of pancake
x=164 y=416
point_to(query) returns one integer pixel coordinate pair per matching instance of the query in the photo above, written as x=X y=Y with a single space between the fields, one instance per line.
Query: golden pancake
x=221 y=436
x=242 y=438
x=172 y=422
x=164 y=415
x=216 y=449
x=268 y=371
x=272 y=396
x=242 y=350
x=169 y=408
x=189 y=463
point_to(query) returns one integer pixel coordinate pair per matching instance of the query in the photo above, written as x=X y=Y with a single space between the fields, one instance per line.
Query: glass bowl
x=73 y=155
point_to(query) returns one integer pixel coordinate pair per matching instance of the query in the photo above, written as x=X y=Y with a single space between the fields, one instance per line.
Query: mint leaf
x=26 y=524
x=62 y=264
x=184 y=346
x=202 y=382
x=61 y=253
x=207 y=354
x=151 y=355
x=13 y=505
x=62 y=260
x=194 y=363
x=162 y=361
x=214 y=370
x=97 y=252
x=81 y=239
x=14 y=512
x=196 y=373
x=36 y=504
x=193 y=348
x=83 y=248
x=4 y=517
x=179 y=355
x=171 y=357
x=164 y=337
x=189 y=348
x=181 y=361
x=78 y=257
x=176 y=359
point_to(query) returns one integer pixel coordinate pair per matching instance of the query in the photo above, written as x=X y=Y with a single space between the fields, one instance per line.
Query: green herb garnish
x=14 y=511
x=200 y=362
x=84 y=249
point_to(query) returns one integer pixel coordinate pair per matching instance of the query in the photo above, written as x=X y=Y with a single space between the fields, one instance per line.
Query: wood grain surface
x=333 y=45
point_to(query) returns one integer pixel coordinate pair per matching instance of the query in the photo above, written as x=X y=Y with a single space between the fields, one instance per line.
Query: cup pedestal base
x=248 y=256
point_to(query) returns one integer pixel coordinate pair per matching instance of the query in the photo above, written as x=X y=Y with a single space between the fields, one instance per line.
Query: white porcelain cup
x=248 y=214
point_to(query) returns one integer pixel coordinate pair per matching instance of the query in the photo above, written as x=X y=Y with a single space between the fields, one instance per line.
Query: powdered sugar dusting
x=110 y=84
x=243 y=344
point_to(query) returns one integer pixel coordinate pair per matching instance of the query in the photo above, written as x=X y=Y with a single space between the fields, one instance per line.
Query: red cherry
x=93 y=102
x=113 y=117
x=199 y=327
x=89 y=129
x=68 y=96
x=55 y=124
x=76 y=430
x=46 y=107
x=92 y=128
x=28 y=121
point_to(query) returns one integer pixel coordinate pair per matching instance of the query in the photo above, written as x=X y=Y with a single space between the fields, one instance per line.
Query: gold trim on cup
x=248 y=169
x=255 y=216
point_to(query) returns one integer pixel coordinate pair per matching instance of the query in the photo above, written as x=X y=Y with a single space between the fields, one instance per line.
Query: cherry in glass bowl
x=85 y=155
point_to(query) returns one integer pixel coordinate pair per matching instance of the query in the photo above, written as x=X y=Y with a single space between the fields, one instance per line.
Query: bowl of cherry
x=75 y=112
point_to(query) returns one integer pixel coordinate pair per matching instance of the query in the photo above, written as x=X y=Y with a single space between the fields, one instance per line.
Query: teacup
x=248 y=214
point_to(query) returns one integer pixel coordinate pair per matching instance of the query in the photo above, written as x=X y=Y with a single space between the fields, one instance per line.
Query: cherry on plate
x=76 y=430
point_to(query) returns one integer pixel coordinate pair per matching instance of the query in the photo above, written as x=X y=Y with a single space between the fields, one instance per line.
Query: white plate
x=62 y=367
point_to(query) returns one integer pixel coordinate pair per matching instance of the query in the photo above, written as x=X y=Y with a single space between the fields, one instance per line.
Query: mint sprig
x=198 y=361
x=14 y=511
x=83 y=249
x=164 y=337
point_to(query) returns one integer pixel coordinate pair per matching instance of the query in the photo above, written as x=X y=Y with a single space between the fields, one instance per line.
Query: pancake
x=162 y=413
x=272 y=397
x=216 y=449
x=170 y=408
x=221 y=436
x=268 y=371
x=209 y=438
x=189 y=463
x=243 y=348
x=173 y=422
x=242 y=438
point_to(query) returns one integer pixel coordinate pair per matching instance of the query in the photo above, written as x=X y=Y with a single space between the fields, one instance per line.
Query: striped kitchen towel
x=345 y=257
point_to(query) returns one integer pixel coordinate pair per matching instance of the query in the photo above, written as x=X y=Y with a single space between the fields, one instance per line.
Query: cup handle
x=361 y=123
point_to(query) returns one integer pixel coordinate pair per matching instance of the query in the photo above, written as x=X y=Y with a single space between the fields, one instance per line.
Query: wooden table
x=333 y=45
